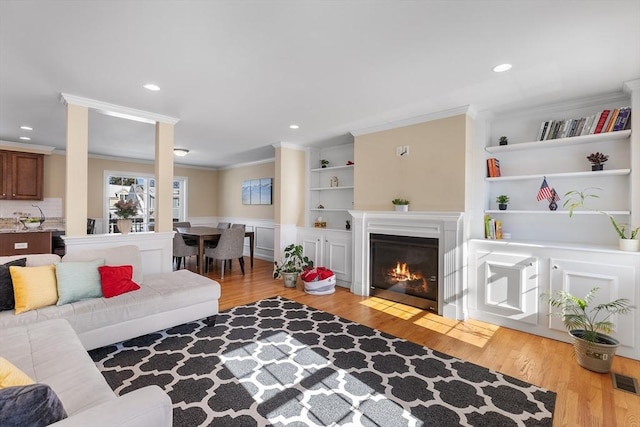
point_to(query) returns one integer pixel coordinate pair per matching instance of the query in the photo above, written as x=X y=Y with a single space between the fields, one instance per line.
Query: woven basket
x=321 y=287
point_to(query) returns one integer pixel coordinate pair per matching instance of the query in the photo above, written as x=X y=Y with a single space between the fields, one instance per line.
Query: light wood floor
x=584 y=398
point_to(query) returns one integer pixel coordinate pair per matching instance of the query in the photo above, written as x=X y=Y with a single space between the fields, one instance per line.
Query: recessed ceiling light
x=294 y=127
x=502 y=67
x=25 y=138
x=180 y=152
x=26 y=128
x=151 y=86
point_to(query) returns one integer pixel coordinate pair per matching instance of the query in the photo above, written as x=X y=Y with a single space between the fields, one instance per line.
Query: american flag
x=546 y=192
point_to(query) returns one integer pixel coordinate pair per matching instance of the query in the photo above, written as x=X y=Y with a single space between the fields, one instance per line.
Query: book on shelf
x=602 y=120
x=611 y=120
x=623 y=119
x=493 y=167
x=587 y=125
x=492 y=228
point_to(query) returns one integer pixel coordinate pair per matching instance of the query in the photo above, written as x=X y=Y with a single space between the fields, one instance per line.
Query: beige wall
x=202 y=183
x=290 y=186
x=431 y=177
x=230 y=191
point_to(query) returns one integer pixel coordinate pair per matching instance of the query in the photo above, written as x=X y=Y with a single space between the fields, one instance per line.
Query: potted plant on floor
x=293 y=263
x=628 y=235
x=502 y=201
x=589 y=326
x=401 y=205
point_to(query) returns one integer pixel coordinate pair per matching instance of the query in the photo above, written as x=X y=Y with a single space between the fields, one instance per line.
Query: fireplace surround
x=446 y=227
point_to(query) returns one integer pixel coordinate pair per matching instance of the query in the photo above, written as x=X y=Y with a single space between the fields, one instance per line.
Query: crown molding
x=26 y=148
x=466 y=109
x=114 y=110
x=631 y=86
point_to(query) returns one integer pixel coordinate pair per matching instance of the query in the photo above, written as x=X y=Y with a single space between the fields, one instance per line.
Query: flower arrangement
x=126 y=208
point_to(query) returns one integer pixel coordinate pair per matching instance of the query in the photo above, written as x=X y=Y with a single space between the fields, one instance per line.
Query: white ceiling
x=238 y=73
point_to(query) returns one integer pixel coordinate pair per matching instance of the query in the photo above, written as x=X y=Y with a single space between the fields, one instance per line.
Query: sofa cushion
x=6 y=285
x=32 y=405
x=78 y=280
x=116 y=280
x=34 y=287
x=119 y=255
x=11 y=376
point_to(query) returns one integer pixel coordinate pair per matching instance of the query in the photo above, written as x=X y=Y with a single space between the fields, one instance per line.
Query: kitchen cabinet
x=21 y=175
x=24 y=243
x=331 y=249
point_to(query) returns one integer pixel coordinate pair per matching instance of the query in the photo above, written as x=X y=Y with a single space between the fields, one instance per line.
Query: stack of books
x=609 y=120
x=493 y=167
x=492 y=228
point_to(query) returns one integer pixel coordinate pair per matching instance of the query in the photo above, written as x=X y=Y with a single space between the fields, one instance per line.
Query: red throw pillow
x=116 y=280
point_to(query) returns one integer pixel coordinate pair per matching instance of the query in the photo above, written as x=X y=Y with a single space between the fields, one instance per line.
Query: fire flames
x=401 y=276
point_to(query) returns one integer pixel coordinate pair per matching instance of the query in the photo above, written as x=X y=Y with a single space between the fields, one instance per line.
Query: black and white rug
x=278 y=362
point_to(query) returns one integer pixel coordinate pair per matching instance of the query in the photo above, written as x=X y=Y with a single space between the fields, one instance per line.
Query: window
x=141 y=189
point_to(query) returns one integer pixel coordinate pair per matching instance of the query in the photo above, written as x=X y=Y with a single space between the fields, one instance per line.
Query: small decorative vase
x=124 y=225
x=290 y=279
x=502 y=206
x=597 y=167
x=402 y=208
x=630 y=245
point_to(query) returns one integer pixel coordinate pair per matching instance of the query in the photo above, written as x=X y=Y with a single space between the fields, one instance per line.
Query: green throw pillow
x=78 y=281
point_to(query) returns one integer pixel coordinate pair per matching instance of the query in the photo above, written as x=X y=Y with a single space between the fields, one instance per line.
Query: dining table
x=205 y=234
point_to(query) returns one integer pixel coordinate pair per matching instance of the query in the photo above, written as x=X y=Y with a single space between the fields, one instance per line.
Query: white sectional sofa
x=50 y=343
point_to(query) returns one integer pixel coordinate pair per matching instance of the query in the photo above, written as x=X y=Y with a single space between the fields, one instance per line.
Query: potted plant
x=502 y=201
x=589 y=326
x=597 y=160
x=401 y=205
x=503 y=140
x=293 y=263
x=125 y=209
x=324 y=163
x=628 y=235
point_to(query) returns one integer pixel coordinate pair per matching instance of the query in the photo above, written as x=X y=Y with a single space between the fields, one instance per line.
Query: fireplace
x=405 y=269
x=445 y=227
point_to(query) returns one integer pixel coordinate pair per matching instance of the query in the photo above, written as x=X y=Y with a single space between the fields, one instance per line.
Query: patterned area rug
x=277 y=362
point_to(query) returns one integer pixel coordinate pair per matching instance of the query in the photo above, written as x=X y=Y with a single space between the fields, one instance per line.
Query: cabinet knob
x=555 y=267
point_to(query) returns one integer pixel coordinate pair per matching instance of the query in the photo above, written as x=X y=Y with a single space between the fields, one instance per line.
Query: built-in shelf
x=562 y=212
x=345 y=187
x=330 y=168
x=561 y=142
x=583 y=174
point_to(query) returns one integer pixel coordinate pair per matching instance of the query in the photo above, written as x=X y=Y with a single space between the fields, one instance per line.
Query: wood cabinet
x=331 y=249
x=29 y=242
x=21 y=175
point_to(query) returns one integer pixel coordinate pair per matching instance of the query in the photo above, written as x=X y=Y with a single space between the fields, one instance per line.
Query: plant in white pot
x=401 y=205
x=293 y=263
x=125 y=210
x=627 y=234
x=589 y=326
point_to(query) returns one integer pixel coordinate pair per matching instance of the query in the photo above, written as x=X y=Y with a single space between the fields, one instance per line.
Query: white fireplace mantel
x=444 y=226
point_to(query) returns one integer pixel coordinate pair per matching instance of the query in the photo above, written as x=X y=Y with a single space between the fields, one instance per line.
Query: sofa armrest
x=148 y=406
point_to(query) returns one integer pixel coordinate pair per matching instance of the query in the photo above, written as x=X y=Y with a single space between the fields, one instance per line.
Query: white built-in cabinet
x=507 y=281
x=548 y=250
x=331 y=249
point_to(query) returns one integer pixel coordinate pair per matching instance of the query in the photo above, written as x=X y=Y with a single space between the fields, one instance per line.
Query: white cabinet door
x=337 y=255
x=507 y=287
x=330 y=249
x=613 y=281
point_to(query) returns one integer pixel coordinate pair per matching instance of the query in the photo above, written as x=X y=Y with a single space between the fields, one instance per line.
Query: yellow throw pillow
x=11 y=376
x=34 y=287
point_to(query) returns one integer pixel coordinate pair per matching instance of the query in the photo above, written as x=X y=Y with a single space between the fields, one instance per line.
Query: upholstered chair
x=181 y=250
x=223 y=225
x=230 y=246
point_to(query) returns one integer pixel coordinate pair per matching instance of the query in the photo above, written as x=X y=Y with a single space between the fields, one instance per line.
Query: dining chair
x=243 y=226
x=181 y=250
x=223 y=225
x=91 y=225
x=230 y=246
